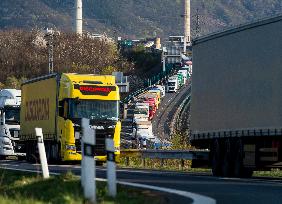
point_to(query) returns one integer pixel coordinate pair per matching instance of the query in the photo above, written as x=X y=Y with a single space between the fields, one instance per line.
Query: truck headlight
x=70 y=147
x=77 y=135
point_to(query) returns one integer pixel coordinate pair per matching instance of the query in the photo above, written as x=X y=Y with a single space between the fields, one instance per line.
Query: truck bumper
x=104 y=158
x=74 y=156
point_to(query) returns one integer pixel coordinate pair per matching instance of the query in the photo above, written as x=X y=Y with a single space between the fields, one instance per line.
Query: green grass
x=274 y=173
x=157 y=164
x=174 y=165
x=27 y=188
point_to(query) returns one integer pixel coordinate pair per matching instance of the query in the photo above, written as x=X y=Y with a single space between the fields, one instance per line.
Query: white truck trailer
x=236 y=107
x=184 y=74
x=10 y=100
x=141 y=112
x=172 y=84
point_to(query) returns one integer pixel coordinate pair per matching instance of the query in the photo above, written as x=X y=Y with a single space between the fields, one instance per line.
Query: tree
x=25 y=54
x=13 y=83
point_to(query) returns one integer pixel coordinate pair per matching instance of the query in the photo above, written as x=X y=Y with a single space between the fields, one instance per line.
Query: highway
x=223 y=190
x=169 y=104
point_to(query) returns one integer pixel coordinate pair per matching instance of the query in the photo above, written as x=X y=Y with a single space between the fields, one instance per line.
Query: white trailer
x=161 y=88
x=10 y=100
x=184 y=74
x=141 y=112
x=236 y=107
x=172 y=84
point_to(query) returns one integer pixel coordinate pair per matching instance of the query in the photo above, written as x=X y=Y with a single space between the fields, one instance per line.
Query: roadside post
x=42 y=153
x=88 y=170
x=111 y=168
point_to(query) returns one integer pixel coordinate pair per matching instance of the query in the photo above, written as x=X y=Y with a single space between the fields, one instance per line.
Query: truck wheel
x=248 y=173
x=28 y=152
x=238 y=163
x=56 y=152
x=216 y=159
x=48 y=151
x=99 y=163
x=21 y=158
x=226 y=164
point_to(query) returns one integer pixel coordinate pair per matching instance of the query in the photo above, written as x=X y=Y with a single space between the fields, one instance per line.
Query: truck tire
x=227 y=160
x=216 y=159
x=21 y=158
x=28 y=152
x=238 y=162
x=239 y=170
x=48 y=147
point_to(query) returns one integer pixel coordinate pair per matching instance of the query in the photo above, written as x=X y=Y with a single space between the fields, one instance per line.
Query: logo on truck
x=37 y=109
x=95 y=90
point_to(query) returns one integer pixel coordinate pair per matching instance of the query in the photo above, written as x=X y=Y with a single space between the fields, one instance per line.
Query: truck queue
x=146 y=104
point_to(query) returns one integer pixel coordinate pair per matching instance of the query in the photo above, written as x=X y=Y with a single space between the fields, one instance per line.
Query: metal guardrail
x=167 y=154
x=200 y=156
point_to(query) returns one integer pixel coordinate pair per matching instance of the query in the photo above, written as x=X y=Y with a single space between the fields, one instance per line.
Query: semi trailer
x=236 y=107
x=141 y=112
x=10 y=101
x=172 y=84
x=57 y=103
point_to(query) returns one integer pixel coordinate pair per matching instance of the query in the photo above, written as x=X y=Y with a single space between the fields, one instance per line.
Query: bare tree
x=24 y=54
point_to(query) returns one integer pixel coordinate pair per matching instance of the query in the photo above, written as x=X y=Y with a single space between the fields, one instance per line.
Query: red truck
x=152 y=104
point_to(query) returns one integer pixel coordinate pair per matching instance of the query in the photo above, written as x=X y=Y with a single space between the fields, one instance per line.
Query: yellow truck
x=158 y=92
x=57 y=103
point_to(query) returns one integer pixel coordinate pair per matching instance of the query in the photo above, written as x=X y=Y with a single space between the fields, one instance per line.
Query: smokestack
x=78 y=17
x=187 y=23
x=158 y=43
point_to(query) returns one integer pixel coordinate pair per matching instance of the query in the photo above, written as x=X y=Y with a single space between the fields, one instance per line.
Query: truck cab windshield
x=12 y=115
x=94 y=109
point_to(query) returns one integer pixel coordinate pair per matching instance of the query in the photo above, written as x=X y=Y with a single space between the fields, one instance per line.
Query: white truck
x=141 y=112
x=172 y=84
x=184 y=74
x=10 y=100
x=161 y=88
x=143 y=132
x=236 y=97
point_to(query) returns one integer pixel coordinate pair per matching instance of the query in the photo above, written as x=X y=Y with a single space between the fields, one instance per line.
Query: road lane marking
x=197 y=199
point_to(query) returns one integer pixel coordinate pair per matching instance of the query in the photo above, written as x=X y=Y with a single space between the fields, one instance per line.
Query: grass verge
x=26 y=188
x=274 y=173
x=175 y=165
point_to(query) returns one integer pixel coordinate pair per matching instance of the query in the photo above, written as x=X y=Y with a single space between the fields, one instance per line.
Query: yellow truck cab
x=57 y=103
x=158 y=93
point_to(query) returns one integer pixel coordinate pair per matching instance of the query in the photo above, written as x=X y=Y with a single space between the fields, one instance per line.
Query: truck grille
x=101 y=135
x=100 y=147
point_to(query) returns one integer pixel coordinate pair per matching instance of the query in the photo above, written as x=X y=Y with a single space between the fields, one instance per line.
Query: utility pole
x=187 y=24
x=197 y=23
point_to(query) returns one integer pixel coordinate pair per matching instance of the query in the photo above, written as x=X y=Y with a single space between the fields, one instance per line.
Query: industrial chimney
x=78 y=17
x=187 y=24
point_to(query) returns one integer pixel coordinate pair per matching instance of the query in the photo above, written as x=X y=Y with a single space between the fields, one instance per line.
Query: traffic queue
x=146 y=104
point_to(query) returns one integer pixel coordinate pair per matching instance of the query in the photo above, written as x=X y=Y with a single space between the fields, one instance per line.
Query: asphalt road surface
x=223 y=190
x=168 y=107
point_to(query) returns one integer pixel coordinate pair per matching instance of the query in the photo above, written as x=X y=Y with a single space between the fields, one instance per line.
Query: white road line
x=197 y=199
x=26 y=170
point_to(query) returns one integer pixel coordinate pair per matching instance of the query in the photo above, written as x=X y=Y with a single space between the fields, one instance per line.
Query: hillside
x=134 y=18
